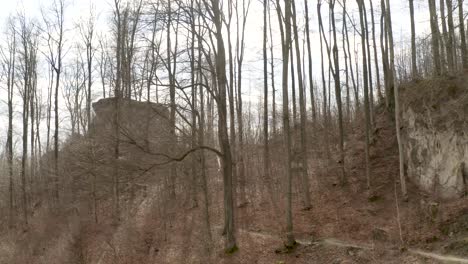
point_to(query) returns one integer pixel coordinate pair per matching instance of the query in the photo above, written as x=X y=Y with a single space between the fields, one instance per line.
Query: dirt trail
x=334 y=242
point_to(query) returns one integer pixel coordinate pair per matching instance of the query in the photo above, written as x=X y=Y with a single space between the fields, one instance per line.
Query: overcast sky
x=79 y=9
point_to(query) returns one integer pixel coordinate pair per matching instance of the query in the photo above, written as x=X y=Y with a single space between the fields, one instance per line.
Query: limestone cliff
x=435 y=127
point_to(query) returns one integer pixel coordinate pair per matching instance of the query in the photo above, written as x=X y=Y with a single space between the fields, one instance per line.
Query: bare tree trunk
x=285 y=43
x=435 y=38
x=444 y=40
x=240 y=59
x=230 y=86
x=293 y=88
x=193 y=161
x=303 y=115
x=346 y=58
x=25 y=42
x=397 y=104
x=385 y=64
x=116 y=114
x=324 y=85
x=10 y=64
x=272 y=66
x=311 y=81
x=462 y=33
x=355 y=88
x=32 y=93
x=172 y=119
x=336 y=76
x=376 y=58
x=230 y=245
x=201 y=142
x=451 y=51
x=88 y=41
x=266 y=153
x=59 y=13
x=366 y=87
x=369 y=69
x=414 y=66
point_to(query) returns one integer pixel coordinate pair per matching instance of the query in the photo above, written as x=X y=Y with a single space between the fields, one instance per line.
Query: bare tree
x=336 y=77
x=451 y=51
x=435 y=37
x=462 y=34
x=285 y=30
x=362 y=10
x=397 y=104
x=9 y=62
x=216 y=15
x=309 y=57
x=414 y=67
x=54 y=29
x=27 y=57
x=87 y=34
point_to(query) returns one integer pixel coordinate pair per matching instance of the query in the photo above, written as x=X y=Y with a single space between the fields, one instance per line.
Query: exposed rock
x=435 y=121
x=143 y=123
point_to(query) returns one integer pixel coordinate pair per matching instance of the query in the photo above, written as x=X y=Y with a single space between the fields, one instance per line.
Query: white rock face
x=436 y=159
x=436 y=142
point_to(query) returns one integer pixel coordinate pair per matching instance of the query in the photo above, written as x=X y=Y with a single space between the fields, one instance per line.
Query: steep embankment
x=345 y=225
x=435 y=119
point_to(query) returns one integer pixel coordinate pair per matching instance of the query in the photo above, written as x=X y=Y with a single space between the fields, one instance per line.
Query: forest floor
x=345 y=224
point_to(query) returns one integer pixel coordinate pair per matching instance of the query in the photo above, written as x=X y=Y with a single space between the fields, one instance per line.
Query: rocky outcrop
x=140 y=123
x=435 y=127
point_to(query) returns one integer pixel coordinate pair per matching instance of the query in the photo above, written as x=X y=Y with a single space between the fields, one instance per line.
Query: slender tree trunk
x=435 y=38
x=9 y=147
x=397 y=104
x=343 y=37
x=172 y=192
x=324 y=86
x=58 y=71
x=293 y=88
x=266 y=153
x=194 y=182
x=336 y=76
x=201 y=142
x=310 y=75
x=362 y=10
x=272 y=66
x=303 y=115
x=376 y=58
x=355 y=88
x=451 y=51
x=285 y=44
x=25 y=95
x=230 y=245
x=89 y=55
x=414 y=66
x=462 y=34
x=369 y=69
x=116 y=116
